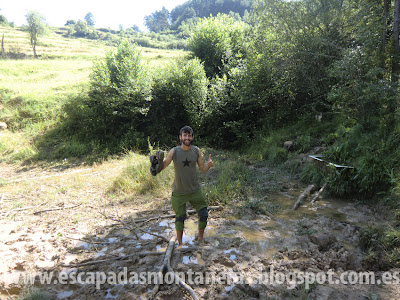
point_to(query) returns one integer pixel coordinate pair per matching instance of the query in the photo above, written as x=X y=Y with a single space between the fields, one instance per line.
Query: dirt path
x=53 y=220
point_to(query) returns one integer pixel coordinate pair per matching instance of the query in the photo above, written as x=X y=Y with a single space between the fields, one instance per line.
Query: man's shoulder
x=193 y=148
x=196 y=150
x=173 y=151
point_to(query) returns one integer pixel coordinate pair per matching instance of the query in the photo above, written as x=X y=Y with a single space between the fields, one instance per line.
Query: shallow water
x=267 y=236
x=65 y=294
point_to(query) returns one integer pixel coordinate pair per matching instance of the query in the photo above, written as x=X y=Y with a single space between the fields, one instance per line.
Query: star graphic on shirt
x=186 y=162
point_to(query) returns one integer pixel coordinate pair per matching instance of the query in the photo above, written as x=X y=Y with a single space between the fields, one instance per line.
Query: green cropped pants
x=198 y=202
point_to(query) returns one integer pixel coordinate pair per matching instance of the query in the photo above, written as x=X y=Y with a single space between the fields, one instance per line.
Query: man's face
x=186 y=138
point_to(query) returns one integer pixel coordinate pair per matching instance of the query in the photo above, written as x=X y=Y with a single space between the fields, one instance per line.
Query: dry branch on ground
x=305 y=194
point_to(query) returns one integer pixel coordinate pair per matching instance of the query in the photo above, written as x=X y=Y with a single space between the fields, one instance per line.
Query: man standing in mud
x=186 y=187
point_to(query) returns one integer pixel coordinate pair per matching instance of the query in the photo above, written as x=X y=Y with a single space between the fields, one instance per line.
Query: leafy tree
x=36 y=27
x=188 y=14
x=158 y=21
x=297 y=42
x=367 y=74
x=178 y=97
x=89 y=18
x=3 y=20
x=334 y=57
x=70 y=22
x=217 y=41
x=204 y=8
x=119 y=96
x=135 y=28
x=81 y=28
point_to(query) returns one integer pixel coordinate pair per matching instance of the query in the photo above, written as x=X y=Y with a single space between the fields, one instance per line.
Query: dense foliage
x=5 y=22
x=323 y=74
x=118 y=99
x=314 y=67
x=179 y=95
x=192 y=10
x=82 y=29
x=158 y=21
x=217 y=41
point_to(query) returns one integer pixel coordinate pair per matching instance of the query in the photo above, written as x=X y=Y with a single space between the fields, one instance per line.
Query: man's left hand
x=210 y=162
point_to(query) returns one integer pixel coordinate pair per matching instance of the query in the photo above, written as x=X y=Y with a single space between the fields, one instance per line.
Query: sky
x=106 y=13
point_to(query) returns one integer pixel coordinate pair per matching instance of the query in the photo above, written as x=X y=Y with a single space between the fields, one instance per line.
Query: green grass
x=34 y=92
x=231 y=184
x=381 y=246
x=136 y=179
x=52 y=45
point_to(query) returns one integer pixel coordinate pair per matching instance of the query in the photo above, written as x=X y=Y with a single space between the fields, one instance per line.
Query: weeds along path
x=64 y=221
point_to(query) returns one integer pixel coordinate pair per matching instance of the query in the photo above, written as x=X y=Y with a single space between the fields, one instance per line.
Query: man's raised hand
x=210 y=162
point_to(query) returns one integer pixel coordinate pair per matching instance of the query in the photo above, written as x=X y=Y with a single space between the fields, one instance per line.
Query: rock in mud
x=323 y=240
x=224 y=261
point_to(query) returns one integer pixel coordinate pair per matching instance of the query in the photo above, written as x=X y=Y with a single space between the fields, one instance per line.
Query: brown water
x=265 y=235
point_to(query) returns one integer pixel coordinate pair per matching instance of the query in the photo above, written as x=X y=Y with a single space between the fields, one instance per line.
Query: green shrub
x=381 y=246
x=215 y=39
x=224 y=123
x=372 y=156
x=119 y=94
x=178 y=98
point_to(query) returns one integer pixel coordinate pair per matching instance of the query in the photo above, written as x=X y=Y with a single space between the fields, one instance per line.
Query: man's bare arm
x=202 y=166
x=168 y=159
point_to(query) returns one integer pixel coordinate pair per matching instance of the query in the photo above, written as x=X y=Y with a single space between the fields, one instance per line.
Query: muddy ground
x=66 y=225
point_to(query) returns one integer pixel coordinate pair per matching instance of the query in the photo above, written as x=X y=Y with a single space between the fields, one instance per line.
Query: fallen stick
x=182 y=283
x=94 y=262
x=306 y=193
x=57 y=208
x=22 y=208
x=89 y=242
x=18 y=209
x=130 y=228
x=166 y=267
x=126 y=226
x=318 y=193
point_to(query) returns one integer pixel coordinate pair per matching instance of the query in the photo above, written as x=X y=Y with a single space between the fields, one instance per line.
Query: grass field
x=33 y=91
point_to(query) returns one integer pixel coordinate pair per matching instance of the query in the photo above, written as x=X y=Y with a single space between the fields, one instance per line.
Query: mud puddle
x=318 y=237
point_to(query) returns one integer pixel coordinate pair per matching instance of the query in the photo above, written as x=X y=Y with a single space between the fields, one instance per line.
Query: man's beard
x=187 y=142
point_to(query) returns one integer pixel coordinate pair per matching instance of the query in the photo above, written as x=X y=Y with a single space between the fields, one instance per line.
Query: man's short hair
x=186 y=129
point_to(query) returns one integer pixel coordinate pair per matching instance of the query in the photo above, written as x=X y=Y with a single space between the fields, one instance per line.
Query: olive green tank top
x=185 y=161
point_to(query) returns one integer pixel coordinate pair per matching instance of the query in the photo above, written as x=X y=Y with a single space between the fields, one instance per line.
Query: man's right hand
x=156 y=161
x=153 y=164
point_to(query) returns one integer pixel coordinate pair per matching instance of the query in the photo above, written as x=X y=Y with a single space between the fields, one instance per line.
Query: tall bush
x=178 y=98
x=217 y=41
x=119 y=95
